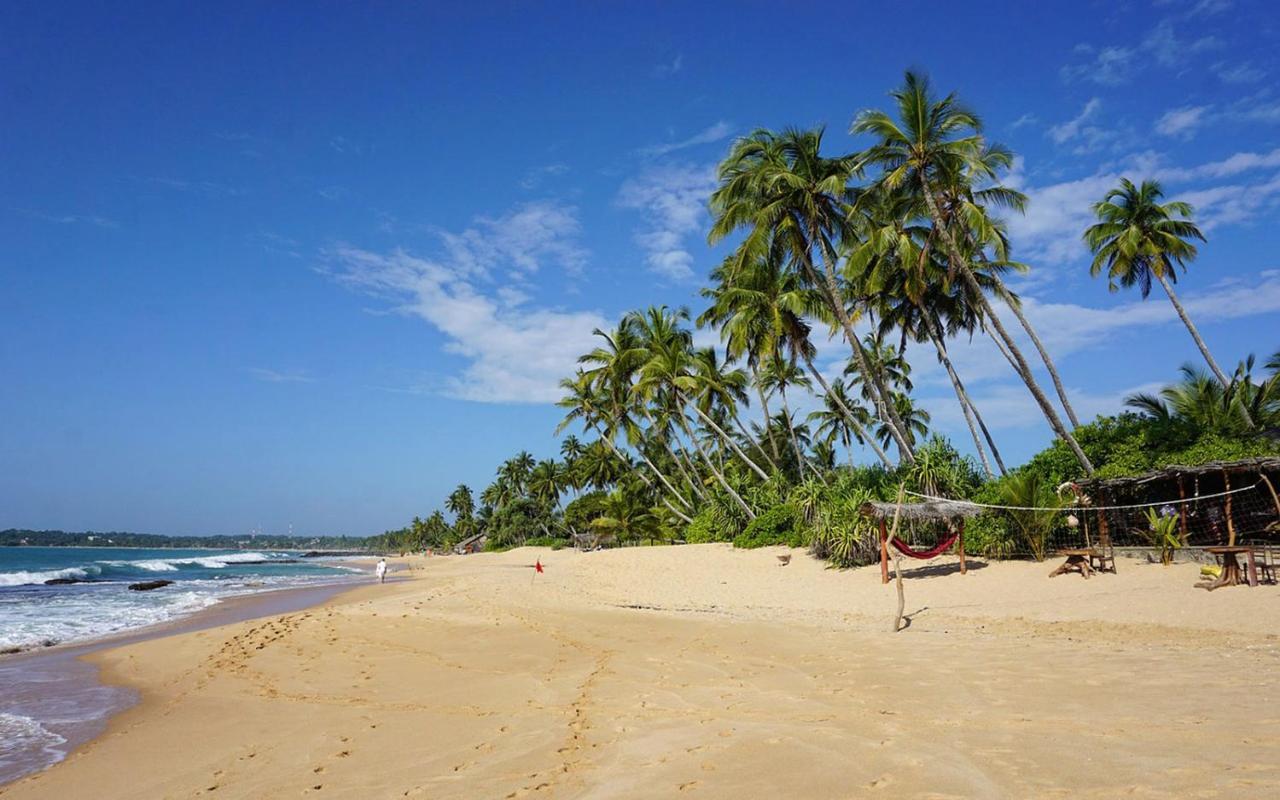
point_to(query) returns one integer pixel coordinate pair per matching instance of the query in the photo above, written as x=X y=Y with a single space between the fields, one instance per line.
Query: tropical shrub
x=780 y=525
x=545 y=541
x=1162 y=534
x=1039 y=503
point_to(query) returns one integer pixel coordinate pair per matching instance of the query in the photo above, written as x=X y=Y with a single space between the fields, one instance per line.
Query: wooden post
x=960 y=546
x=1182 y=510
x=1231 y=527
x=884 y=552
x=1274 y=497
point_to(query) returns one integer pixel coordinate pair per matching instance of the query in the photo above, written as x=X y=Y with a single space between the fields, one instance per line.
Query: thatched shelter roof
x=1175 y=471
x=927 y=511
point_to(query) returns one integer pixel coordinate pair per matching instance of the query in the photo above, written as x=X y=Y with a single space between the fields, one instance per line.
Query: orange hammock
x=924 y=555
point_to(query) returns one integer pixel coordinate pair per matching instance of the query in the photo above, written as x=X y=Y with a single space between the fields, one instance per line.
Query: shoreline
x=36 y=676
x=658 y=671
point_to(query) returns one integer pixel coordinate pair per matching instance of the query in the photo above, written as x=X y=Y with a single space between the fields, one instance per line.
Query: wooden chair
x=1102 y=556
x=1265 y=558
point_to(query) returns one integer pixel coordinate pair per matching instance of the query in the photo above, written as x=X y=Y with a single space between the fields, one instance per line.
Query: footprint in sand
x=687 y=786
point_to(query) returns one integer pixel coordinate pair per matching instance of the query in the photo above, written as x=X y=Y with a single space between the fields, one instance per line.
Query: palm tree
x=915 y=418
x=584 y=404
x=792 y=200
x=1199 y=401
x=1137 y=238
x=546 y=481
x=462 y=505
x=626 y=517
x=842 y=418
x=720 y=390
x=777 y=375
x=938 y=151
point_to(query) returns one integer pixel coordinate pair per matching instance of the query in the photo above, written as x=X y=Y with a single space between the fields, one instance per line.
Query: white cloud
x=1010 y=407
x=1109 y=66
x=1057 y=214
x=1024 y=120
x=1237 y=73
x=673 y=199
x=668 y=68
x=708 y=135
x=534 y=176
x=1077 y=126
x=1170 y=51
x=277 y=376
x=515 y=353
x=519 y=241
x=1181 y=122
x=68 y=219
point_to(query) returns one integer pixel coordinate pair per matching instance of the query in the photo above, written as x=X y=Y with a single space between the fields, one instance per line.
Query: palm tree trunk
x=726 y=437
x=692 y=484
x=643 y=477
x=1016 y=307
x=795 y=443
x=719 y=476
x=880 y=394
x=960 y=393
x=751 y=439
x=1024 y=371
x=764 y=409
x=848 y=415
x=1195 y=334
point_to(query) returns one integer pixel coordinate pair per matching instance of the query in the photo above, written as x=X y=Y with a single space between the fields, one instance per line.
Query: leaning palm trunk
x=849 y=419
x=1195 y=334
x=879 y=394
x=961 y=395
x=724 y=436
x=693 y=485
x=667 y=445
x=1048 y=362
x=609 y=441
x=883 y=408
x=746 y=435
x=717 y=473
x=801 y=461
x=1024 y=371
x=764 y=409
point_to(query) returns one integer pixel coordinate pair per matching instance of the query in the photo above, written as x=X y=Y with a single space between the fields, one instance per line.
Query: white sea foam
x=23 y=739
x=31 y=578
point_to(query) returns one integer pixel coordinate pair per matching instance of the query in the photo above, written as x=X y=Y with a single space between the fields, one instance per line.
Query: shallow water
x=52 y=701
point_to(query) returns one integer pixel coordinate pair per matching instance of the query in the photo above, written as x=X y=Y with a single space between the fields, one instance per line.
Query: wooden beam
x=1182 y=510
x=960 y=547
x=884 y=552
x=1231 y=526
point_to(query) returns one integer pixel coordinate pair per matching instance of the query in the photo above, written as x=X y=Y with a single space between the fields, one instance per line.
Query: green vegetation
x=904 y=237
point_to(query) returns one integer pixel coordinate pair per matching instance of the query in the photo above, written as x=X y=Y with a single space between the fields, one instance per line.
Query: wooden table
x=1077 y=561
x=1231 y=575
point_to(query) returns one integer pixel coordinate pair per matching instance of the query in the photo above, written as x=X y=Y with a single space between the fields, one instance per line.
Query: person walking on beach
x=381 y=570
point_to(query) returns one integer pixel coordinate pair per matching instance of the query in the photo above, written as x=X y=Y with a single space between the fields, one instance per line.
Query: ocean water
x=47 y=708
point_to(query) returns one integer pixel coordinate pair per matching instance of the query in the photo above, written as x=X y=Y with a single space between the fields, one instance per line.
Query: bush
x=545 y=541
x=705 y=528
x=779 y=525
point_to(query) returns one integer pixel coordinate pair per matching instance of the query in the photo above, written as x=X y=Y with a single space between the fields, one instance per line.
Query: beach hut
x=949 y=513
x=1217 y=503
x=471 y=544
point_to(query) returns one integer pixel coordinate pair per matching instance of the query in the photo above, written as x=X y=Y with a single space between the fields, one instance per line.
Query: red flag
x=538 y=565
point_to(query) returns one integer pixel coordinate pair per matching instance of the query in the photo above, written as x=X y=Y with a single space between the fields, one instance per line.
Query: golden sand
x=701 y=671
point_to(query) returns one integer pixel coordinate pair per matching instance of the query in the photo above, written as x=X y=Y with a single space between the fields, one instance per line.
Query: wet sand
x=702 y=671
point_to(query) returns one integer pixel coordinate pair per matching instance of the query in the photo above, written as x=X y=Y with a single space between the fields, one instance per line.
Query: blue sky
x=315 y=264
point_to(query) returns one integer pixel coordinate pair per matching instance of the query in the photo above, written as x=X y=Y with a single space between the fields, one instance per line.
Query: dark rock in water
x=265 y=561
x=334 y=553
x=147 y=586
x=65 y=581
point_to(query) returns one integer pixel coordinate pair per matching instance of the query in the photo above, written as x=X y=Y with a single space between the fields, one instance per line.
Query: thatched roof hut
x=951 y=512
x=1219 y=502
x=926 y=511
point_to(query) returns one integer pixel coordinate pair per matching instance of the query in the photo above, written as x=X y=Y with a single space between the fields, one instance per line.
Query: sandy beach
x=705 y=671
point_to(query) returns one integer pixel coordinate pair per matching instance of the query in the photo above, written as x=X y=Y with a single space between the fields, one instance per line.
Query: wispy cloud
x=1107 y=66
x=67 y=219
x=1077 y=130
x=669 y=67
x=1058 y=213
x=534 y=176
x=519 y=242
x=1182 y=122
x=1171 y=51
x=1244 y=72
x=277 y=376
x=673 y=200
x=514 y=352
x=714 y=133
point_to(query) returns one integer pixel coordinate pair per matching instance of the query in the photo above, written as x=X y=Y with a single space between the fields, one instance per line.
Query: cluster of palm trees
x=900 y=242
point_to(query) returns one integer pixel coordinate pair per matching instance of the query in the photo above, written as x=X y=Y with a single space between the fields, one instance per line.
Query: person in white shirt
x=381 y=570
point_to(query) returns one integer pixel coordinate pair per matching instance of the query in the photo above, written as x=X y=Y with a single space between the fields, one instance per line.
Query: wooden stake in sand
x=897 y=561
